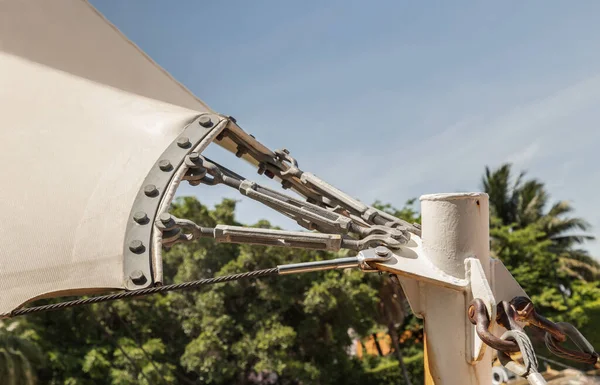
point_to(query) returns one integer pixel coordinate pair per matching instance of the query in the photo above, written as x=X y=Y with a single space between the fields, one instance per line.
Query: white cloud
x=524 y=156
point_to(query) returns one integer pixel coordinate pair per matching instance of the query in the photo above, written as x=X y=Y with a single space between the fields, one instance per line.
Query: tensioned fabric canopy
x=84 y=115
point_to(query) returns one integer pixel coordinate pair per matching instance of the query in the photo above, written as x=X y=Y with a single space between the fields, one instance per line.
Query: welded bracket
x=479 y=287
x=415 y=271
x=410 y=261
x=139 y=267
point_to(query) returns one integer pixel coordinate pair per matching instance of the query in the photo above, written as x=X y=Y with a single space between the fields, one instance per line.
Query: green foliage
x=408 y=212
x=19 y=357
x=525 y=256
x=518 y=203
x=540 y=249
x=387 y=371
x=295 y=328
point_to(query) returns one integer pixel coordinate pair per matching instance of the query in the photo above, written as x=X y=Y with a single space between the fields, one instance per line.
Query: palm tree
x=518 y=202
x=18 y=357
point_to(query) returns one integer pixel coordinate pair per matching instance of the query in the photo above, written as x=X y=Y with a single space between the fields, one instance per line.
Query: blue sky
x=391 y=100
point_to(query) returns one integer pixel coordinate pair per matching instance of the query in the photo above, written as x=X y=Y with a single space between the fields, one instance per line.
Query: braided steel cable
x=530 y=363
x=529 y=368
x=144 y=292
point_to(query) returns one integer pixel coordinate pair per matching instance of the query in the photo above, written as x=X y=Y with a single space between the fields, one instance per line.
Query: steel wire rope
x=144 y=292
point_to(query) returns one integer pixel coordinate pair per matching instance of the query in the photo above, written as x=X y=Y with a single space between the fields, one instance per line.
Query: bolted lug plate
x=137 y=248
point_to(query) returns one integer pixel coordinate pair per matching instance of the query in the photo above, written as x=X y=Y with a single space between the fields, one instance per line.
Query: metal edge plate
x=137 y=248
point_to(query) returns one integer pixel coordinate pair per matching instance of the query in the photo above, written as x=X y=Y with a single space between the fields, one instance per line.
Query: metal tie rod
x=331 y=264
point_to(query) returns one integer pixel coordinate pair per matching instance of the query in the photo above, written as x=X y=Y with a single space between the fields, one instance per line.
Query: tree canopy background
x=294 y=329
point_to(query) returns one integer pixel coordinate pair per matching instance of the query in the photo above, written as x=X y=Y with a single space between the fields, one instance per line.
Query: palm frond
x=26 y=374
x=560 y=208
x=522 y=202
x=18 y=357
x=555 y=227
x=530 y=202
x=580 y=269
x=502 y=197
x=8 y=364
x=583 y=256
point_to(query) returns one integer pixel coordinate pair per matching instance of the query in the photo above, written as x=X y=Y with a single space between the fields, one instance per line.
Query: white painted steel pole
x=455 y=227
